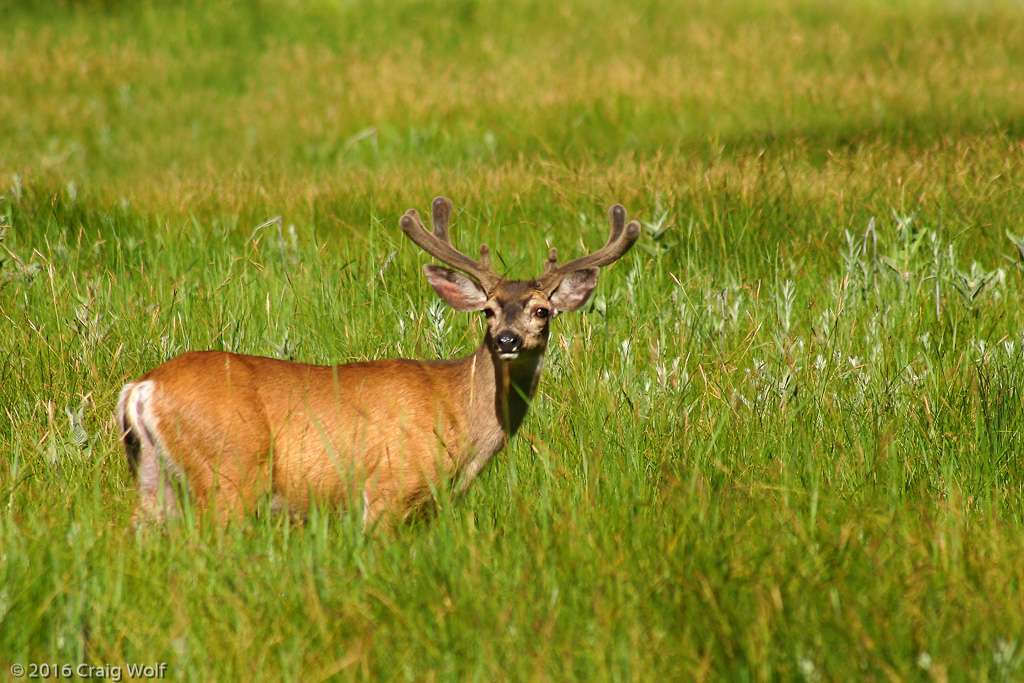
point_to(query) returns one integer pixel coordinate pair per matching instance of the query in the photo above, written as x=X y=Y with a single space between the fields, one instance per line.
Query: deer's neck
x=500 y=395
x=503 y=389
x=515 y=385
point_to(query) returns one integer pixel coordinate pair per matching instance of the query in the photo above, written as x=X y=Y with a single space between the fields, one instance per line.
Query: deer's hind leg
x=181 y=454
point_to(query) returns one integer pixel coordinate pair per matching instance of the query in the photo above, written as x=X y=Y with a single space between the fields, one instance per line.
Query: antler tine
x=619 y=242
x=439 y=244
x=552 y=261
x=441 y=209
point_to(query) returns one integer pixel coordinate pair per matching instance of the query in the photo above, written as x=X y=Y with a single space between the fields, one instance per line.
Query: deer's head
x=518 y=311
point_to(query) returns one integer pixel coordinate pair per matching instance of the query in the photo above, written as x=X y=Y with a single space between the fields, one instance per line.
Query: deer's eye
x=541 y=313
x=488 y=313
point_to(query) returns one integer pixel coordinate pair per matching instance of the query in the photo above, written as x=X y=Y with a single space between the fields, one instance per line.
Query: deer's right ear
x=574 y=290
x=460 y=292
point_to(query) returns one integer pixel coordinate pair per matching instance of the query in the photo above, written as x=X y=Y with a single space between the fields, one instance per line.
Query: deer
x=227 y=431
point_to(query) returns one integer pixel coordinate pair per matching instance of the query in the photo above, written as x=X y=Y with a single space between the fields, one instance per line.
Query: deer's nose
x=509 y=342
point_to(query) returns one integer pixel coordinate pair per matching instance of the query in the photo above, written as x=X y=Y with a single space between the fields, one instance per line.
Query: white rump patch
x=140 y=431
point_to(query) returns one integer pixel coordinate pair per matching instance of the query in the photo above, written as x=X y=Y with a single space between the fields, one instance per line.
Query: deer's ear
x=574 y=290
x=460 y=292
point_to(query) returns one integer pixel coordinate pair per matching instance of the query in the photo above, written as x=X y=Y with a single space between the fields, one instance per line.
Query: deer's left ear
x=574 y=290
x=460 y=292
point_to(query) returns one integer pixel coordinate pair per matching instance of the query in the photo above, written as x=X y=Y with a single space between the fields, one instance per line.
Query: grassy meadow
x=783 y=441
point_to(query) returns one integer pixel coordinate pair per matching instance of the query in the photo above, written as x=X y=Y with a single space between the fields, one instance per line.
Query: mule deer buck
x=232 y=429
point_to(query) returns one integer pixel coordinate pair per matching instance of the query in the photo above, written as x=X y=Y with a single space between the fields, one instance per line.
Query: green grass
x=784 y=441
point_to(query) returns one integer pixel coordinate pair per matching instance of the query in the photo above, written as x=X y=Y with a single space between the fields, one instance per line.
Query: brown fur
x=245 y=427
x=234 y=429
